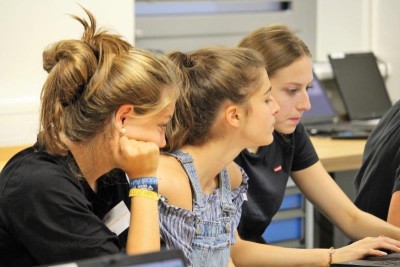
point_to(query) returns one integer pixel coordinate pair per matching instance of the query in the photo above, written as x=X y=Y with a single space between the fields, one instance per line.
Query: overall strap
x=187 y=163
x=226 y=195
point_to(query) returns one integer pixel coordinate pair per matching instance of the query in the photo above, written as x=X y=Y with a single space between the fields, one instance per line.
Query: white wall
x=27 y=27
x=342 y=26
x=361 y=25
x=386 y=40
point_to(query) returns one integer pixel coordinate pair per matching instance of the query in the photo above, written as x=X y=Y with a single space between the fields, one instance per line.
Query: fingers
x=369 y=246
x=377 y=246
x=138 y=158
x=388 y=244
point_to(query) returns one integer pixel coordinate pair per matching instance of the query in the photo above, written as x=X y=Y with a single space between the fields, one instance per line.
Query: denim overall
x=210 y=241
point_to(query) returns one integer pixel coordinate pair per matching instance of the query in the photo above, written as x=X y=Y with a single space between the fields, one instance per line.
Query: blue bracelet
x=148 y=183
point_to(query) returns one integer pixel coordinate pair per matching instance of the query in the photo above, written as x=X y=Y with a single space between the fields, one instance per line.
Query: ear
x=122 y=114
x=234 y=115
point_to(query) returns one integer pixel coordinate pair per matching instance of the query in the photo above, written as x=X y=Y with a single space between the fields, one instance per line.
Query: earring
x=123 y=131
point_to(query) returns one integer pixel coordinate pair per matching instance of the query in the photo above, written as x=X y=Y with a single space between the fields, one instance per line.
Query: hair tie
x=75 y=98
x=187 y=61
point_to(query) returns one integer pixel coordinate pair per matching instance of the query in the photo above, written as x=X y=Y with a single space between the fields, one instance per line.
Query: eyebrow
x=268 y=90
x=298 y=84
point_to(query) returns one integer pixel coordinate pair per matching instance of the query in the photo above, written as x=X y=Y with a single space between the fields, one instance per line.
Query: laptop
x=392 y=259
x=163 y=258
x=322 y=119
x=361 y=86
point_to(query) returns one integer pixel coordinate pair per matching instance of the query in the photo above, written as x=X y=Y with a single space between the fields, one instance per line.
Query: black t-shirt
x=112 y=188
x=44 y=214
x=268 y=172
x=379 y=175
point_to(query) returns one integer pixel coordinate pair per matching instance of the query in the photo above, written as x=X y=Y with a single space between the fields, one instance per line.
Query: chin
x=285 y=129
x=269 y=140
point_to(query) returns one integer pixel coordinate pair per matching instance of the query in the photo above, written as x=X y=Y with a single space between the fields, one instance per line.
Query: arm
x=140 y=159
x=394 y=207
x=245 y=253
x=231 y=263
x=144 y=230
x=325 y=194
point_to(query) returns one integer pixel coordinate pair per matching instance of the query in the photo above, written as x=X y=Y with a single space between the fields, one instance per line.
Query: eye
x=292 y=90
x=268 y=100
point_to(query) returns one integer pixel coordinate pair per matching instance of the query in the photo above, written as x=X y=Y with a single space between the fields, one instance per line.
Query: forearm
x=144 y=231
x=245 y=253
x=333 y=202
x=394 y=207
x=365 y=224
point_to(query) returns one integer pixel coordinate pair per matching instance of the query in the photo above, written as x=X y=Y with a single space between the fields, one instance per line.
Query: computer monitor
x=321 y=107
x=164 y=258
x=360 y=84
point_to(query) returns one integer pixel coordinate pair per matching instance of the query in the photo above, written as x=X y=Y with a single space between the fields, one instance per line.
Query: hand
x=369 y=246
x=138 y=158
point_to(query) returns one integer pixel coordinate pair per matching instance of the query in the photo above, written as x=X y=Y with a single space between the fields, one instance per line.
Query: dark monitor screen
x=163 y=258
x=161 y=263
x=360 y=84
x=321 y=107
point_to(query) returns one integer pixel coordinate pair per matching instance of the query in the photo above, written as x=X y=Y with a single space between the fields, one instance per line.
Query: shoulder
x=172 y=178
x=170 y=173
x=236 y=175
x=32 y=168
x=168 y=165
x=40 y=180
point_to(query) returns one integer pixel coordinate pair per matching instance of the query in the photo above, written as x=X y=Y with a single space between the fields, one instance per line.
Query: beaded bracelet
x=331 y=251
x=135 y=192
x=146 y=183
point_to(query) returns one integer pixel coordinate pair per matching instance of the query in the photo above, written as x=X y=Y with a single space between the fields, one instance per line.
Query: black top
x=268 y=172
x=379 y=175
x=44 y=214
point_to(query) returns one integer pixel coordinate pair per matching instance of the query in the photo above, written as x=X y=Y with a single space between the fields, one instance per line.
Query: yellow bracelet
x=136 y=192
x=331 y=251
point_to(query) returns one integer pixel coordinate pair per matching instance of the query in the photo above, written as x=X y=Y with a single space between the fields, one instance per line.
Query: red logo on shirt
x=278 y=168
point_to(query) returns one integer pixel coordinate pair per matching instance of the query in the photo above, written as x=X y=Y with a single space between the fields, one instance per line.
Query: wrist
x=143 y=193
x=145 y=183
x=331 y=251
x=136 y=175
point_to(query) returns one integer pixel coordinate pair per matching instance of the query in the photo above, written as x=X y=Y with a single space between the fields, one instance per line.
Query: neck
x=91 y=163
x=211 y=158
x=252 y=149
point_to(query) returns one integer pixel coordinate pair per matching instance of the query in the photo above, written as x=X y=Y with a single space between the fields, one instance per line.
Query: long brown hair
x=278 y=44
x=210 y=77
x=89 y=79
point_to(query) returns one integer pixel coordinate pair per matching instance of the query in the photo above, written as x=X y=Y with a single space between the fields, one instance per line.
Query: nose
x=275 y=107
x=304 y=102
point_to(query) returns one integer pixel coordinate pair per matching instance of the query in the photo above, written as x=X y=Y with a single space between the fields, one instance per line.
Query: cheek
x=285 y=107
x=283 y=102
x=157 y=137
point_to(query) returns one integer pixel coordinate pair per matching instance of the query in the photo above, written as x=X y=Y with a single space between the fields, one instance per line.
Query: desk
x=338 y=154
